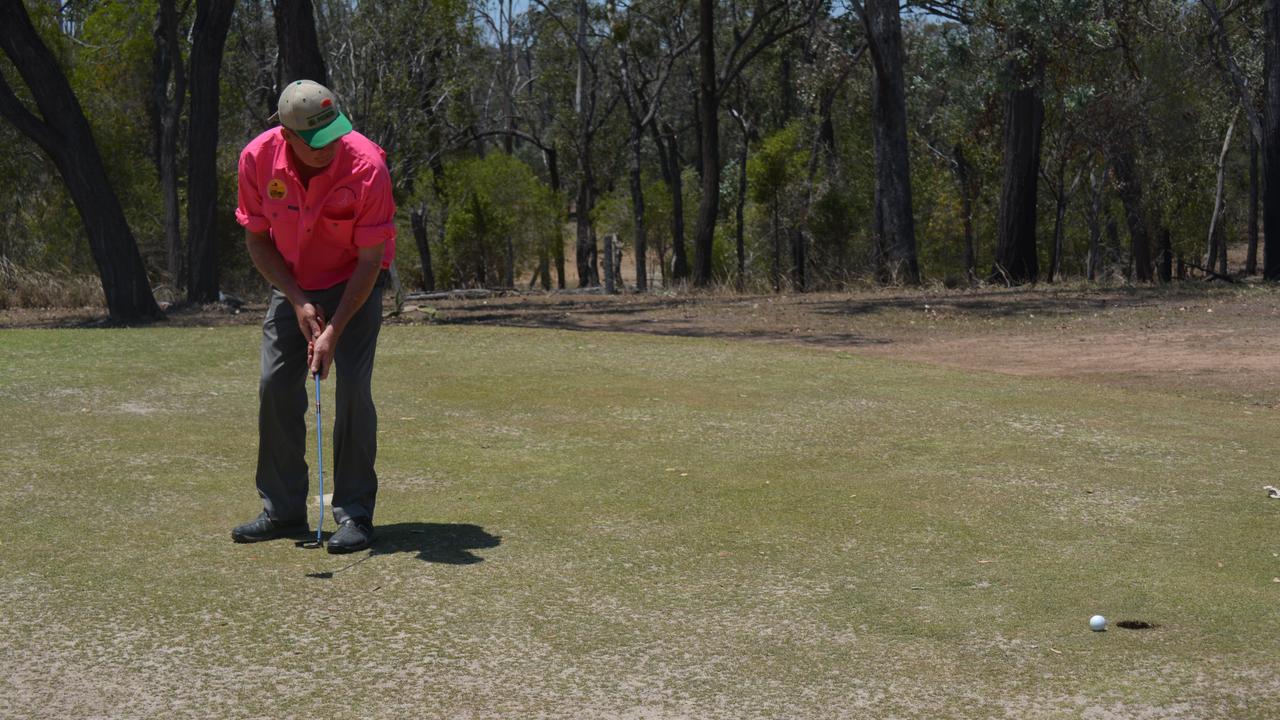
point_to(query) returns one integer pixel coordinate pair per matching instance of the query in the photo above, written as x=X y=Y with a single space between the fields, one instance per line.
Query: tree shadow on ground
x=821 y=319
x=447 y=543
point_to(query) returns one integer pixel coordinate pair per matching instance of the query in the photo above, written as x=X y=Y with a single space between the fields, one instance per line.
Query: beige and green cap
x=311 y=110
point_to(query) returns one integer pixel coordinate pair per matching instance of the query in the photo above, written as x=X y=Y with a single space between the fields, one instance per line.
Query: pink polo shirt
x=318 y=229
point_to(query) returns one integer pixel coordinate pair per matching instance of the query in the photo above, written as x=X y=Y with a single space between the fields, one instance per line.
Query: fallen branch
x=1212 y=275
x=469 y=294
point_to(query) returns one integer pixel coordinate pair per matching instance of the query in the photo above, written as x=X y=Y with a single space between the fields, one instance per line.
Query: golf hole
x=1136 y=625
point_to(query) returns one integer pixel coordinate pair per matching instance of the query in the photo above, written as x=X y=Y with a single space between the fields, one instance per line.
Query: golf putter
x=320 y=464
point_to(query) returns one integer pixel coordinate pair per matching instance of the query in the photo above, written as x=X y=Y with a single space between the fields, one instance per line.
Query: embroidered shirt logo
x=277 y=189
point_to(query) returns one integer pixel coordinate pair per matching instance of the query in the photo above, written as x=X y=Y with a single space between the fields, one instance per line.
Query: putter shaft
x=319 y=456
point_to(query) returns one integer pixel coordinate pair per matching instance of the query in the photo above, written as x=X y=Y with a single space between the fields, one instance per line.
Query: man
x=315 y=202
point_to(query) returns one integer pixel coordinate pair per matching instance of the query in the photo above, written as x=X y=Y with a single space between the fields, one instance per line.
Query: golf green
x=590 y=525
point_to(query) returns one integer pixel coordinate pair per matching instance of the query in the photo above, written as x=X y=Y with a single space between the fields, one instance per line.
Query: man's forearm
x=270 y=263
x=358 y=289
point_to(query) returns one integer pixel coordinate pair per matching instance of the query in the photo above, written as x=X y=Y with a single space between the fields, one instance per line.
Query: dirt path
x=1201 y=341
x=1204 y=341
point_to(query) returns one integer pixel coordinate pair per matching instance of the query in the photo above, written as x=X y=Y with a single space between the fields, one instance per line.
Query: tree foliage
x=502 y=122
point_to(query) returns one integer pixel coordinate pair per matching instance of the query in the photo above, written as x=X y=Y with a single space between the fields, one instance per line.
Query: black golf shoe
x=354 y=534
x=264 y=528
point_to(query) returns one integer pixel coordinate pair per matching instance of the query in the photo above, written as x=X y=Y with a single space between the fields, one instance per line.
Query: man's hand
x=310 y=320
x=323 y=343
x=320 y=351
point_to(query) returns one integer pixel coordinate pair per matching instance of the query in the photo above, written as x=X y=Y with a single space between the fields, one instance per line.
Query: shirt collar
x=283 y=165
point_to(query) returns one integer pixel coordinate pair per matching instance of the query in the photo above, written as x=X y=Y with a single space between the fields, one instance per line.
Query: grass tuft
x=22 y=287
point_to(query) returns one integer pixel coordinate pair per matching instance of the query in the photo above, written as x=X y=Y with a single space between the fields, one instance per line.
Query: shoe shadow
x=447 y=543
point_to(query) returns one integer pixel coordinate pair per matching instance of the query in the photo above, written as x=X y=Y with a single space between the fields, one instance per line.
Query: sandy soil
x=1202 y=340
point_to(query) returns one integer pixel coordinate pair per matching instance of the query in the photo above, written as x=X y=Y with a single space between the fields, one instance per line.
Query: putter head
x=311 y=544
x=320 y=575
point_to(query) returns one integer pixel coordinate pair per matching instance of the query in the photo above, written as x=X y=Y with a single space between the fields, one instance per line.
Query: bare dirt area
x=1209 y=341
x=1198 y=340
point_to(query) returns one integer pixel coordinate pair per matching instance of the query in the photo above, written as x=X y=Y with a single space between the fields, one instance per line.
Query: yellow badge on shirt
x=277 y=189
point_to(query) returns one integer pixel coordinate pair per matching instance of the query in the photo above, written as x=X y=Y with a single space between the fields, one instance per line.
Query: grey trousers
x=283 y=403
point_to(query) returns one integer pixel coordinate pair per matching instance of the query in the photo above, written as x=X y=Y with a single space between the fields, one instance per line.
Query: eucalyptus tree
x=646 y=52
x=668 y=126
x=1251 y=77
x=950 y=97
x=300 y=55
x=895 y=231
x=209 y=34
x=400 y=69
x=750 y=30
x=593 y=104
x=527 y=103
x=62 y=131
x=1271 y=141
x=1036 y=35
x=168 y=96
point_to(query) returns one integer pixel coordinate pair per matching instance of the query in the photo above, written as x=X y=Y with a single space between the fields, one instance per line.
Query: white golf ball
x=1097 y=623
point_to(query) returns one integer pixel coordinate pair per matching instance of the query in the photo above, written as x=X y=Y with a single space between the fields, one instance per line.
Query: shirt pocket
x=338 y=227
x=338 y=216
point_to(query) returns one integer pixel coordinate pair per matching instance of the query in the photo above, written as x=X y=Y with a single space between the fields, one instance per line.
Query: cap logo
x=321 y=118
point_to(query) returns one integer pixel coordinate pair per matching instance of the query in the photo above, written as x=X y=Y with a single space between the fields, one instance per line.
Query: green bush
x=497 y=208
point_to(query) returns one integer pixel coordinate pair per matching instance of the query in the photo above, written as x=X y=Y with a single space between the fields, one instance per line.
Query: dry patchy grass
x=628 y=526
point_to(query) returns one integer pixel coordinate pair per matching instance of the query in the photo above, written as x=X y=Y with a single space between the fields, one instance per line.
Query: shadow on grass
x=447 y=543
x=820 y=319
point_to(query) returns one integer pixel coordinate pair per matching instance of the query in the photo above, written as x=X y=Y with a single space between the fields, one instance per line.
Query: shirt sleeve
x=376 y=220
x=249 y=197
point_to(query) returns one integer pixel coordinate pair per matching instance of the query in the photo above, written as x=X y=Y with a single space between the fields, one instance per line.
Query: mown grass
x=594 y=525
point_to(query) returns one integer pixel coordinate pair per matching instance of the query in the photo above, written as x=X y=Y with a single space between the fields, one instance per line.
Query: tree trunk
x=558 y=252
x=418 y=220
x=1097 y=189
x=798 y=260
x=588 y=271
x=510 y=276
x=300 y=56
x=740 y=231
x=65 y=136
x=209 y=34
x=1166 y=255
x=1251 y=262
x=895 y=222
x=964 y=177
x=1113 y=240
x=641 y=244
x=669 y=161
x=709 y=112
x=544 y=267
x=586 y=247
x=610 y=246
x=1055 y=259
x=826 y=126
x=787 y=102
x=1129 y=187
x=1217 y=247
x=167 y=62
x=1271 y=145
x=553 y=170
x=775 y=270
x=1016 y=256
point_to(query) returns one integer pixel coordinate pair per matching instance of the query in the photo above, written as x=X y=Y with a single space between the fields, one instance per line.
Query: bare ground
x=1201 y=340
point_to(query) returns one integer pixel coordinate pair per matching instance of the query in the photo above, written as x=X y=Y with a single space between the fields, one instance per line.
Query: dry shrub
x=26 y=288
